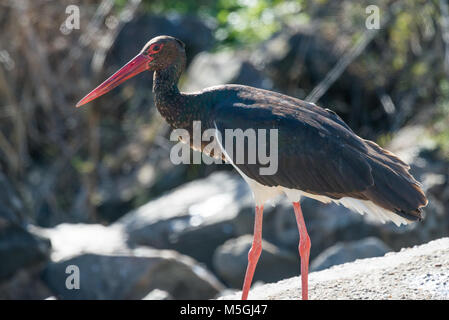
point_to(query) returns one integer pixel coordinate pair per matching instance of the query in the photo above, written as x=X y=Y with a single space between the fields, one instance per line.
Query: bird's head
x=159 y=53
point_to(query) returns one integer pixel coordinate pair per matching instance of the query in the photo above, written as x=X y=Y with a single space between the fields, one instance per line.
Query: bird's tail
x=394 y=187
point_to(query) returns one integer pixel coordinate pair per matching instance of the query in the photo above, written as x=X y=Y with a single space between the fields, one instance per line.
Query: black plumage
x=318 y=152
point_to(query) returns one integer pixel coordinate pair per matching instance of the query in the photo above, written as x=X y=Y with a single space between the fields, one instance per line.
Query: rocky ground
x=421 y=272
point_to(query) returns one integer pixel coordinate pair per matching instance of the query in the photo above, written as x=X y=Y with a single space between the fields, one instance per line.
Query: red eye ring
x=155 y=48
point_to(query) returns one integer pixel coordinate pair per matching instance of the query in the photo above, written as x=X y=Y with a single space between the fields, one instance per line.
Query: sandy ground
x=421 y=272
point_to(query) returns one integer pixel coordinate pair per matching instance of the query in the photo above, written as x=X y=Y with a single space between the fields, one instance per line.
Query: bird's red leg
x=304 y=249
x=254 y=252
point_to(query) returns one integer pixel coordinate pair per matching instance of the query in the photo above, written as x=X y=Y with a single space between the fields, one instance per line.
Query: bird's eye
x=156 y=48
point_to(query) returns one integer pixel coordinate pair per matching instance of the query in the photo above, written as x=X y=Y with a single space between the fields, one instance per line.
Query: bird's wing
x=317 y=152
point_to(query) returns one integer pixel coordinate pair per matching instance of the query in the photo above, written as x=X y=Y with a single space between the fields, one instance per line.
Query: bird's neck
x=178 y=109
x=165 y=81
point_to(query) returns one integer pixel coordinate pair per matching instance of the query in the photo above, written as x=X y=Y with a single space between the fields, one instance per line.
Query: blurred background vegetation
x=96 y=163
x=47 y=68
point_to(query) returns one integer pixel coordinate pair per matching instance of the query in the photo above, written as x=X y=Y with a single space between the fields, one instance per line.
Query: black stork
x=319 y=156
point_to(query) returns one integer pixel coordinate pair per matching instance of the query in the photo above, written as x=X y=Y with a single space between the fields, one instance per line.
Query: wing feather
x=316 y=153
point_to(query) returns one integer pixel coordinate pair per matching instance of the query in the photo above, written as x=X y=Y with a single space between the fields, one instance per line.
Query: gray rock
x=209 y=69
x=132 y=275
x=195 y=218
x=343 y=252
x=231 y=259
x=420 y=273
x=110 y=270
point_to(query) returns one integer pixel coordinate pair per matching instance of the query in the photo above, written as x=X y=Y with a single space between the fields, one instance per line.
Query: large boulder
x=343 y=252
x=231 y=259
x=131 y=275
x=195 y=218
x=108 y=269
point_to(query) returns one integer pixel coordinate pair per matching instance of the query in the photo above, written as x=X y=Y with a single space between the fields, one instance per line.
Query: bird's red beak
x=137 y=65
